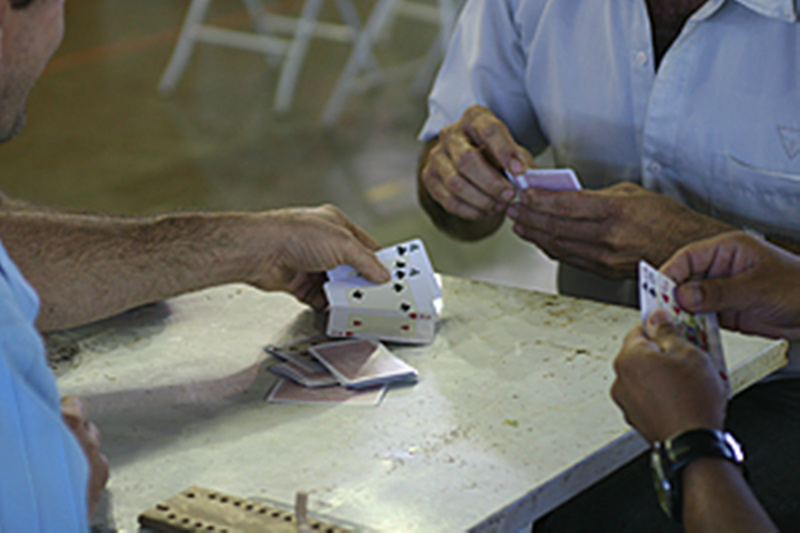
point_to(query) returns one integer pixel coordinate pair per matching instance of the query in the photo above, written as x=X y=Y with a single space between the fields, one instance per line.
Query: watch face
x=661 y=481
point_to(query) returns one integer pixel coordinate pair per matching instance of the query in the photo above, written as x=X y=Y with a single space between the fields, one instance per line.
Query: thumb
x=715 y=294
x=661 y=331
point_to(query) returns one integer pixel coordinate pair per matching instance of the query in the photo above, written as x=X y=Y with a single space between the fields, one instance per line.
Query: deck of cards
x=554 y=179
x=319 y=370
x=657 y=291
x=403 y=310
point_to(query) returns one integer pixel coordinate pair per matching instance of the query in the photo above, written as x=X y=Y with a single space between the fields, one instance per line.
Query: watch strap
x=679 y=451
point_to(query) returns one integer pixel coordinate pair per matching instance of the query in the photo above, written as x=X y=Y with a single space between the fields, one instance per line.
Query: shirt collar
x=786 y=10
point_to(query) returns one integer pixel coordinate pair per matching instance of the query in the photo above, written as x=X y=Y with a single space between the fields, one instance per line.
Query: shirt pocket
x=765 y=200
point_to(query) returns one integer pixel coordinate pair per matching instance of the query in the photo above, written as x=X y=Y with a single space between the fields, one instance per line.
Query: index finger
x=690 y=261
x=365 y=262
x=573 y=204
x=489 y=133
x=699 y=260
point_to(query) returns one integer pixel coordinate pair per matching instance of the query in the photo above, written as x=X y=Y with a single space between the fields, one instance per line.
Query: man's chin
x=14 y=130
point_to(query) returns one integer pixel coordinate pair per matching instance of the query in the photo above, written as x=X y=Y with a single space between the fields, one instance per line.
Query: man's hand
x=754 y=285
x=665 y=385
x=609 y=231
x=304 y=243
x=76 y=417
x=462 y=174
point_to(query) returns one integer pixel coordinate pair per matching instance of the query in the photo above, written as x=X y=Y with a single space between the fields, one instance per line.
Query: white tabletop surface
x=511 y=415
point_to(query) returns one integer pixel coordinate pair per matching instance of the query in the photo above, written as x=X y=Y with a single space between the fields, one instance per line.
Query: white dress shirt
x=717 y=127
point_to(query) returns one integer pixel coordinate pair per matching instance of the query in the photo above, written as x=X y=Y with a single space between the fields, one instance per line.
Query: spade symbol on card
x=398 y=287
x=401 y=250
x=400 y=274
x=400 y=264
x=414 y=247
x=358 y=295
x=414 y=272
x=405 y=307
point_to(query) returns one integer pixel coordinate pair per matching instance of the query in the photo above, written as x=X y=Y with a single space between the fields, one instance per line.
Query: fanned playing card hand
x=403 y=310
x=657 y=291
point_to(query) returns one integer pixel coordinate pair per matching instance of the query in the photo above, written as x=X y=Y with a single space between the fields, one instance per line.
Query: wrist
x=214 y=248
x=671 y=458
x=258 y=242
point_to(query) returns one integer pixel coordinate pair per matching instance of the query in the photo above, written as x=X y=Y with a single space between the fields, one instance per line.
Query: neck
x=667 y=18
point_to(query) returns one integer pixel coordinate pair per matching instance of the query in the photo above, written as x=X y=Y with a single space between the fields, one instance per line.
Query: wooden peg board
x=202 y=510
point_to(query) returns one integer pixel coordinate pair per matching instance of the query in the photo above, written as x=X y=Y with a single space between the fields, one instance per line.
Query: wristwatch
x=669 y=458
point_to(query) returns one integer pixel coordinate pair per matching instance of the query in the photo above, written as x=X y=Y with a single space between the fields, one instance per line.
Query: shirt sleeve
x=485 y=65
x=44 y=472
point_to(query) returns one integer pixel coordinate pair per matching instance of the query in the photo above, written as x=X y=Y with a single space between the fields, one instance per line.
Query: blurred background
x=101 y=137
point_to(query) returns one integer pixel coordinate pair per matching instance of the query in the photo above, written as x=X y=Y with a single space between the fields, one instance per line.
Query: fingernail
x=513 y=212
x=516 y=166
x=691 y=295
x=507 y=195
x=657 y=318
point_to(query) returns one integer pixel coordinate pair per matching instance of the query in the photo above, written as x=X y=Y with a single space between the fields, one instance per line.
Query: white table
x=510 y=418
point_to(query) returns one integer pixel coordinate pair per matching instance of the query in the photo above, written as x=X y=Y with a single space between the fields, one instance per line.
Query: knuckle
x=466 y=161
x=491 y=129
x=456 y=185
x=447 y=132
x=428 y=174
x=451 y=204
x=473 y=112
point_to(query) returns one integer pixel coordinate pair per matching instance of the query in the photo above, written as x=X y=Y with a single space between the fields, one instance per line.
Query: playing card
x=397 y=310
x=320 y=378
x=554 y=179
x=350 y=323
x=657 y=291
x=406 y=260
x=408 y=297
x=297 y=353
x=286 y=391
x=362 y=363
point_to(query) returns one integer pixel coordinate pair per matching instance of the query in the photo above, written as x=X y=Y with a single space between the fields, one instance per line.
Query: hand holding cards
x=403 y=310
x=657 y=291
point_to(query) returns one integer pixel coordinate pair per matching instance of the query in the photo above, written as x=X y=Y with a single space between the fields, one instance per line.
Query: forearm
x=455 y=226
x=87 y=267
x=717 y=498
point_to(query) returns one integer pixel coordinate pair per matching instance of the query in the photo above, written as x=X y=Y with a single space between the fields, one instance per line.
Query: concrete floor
x=100 y=138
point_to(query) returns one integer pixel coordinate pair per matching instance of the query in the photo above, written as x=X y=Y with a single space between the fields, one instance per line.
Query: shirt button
x=654 y=168
x=641 y=58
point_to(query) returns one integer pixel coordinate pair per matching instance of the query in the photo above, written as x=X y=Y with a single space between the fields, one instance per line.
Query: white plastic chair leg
x=297 y=52
x=184 y=47
x=358 y=58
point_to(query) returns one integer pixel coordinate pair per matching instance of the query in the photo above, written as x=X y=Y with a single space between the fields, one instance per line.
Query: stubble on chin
x=15 y=129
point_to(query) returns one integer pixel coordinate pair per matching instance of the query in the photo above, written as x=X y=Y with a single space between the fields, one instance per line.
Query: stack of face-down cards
x=319 y=370
x=657 y=291
x=403 y=310
x=554 y=179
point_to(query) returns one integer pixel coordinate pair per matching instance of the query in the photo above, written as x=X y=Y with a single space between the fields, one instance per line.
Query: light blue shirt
x=43 y=471
x=717 y=127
